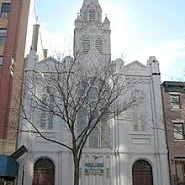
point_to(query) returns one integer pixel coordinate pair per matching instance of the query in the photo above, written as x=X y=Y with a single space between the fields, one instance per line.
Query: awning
x=8 y=167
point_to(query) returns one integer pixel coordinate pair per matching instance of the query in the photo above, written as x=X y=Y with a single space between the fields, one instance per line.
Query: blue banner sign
x=94 y=169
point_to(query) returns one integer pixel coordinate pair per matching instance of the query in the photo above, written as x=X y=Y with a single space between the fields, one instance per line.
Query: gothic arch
x=149 y=161
x=101 y=135
x=44 y=172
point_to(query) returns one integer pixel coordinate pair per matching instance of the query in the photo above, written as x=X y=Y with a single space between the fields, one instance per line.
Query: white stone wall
x=128 y=145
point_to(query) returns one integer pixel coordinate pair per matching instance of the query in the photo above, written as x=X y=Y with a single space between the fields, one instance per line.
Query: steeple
x=88 y=2
x=91 y=11
x=91 y=34
x=106 y=23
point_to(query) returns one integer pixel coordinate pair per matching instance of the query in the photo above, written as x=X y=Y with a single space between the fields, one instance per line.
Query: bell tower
x=91 y=34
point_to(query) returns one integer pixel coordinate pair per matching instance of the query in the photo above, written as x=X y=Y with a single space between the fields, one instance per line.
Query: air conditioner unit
x=4 y=14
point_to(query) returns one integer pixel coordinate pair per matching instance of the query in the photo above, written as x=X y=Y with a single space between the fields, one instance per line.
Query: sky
x=139 y=29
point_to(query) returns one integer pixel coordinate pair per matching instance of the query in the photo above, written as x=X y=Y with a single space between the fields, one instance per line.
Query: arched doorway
x=44 y=172
x=142 y=173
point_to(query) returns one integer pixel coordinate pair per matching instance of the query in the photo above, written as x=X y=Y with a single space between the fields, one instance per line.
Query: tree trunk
x=76 y=170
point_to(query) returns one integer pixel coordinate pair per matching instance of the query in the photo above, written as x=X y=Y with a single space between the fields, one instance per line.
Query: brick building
x=13 y=29
x=14 y=16
x=173 y=94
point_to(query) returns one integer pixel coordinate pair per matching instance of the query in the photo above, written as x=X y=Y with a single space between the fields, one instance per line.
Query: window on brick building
x=175 y=101
x=180 y=170
x=2 y=35
x=1 y=60
x=5 y=10
x=179 y=131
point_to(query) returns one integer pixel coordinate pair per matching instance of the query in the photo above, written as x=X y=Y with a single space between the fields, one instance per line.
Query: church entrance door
x=142 y=173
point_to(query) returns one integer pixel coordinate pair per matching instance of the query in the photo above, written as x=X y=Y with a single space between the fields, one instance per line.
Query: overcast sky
x=140 y=28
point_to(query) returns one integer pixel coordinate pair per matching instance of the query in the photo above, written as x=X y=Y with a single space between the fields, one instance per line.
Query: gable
x=136 y=66
x=47 y=65
x=93 y=58
x=93 y=55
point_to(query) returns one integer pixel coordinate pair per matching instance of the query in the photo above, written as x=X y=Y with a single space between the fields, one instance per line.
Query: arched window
x=105 y=131
x=43 y=111
x=142 y=173
x=92 y=15
x=99 y=45
x=81 y=121
x=139 y=112
x=85 y=15
x=50 y=114
x=47 y=109
x=100 y=135
x=86 y=45
x=44 y=172
x=94 y=138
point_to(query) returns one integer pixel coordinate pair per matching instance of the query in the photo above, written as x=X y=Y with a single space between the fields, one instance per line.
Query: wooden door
x=142 y=173
x=44 y=172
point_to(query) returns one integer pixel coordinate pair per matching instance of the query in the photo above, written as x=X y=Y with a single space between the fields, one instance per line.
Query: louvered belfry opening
x=142 y=173
x=44 y=172
x=99 y=45
x=92 y=15
x=86 y=45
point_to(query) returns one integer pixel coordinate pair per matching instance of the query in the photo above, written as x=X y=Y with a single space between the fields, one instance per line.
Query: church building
x=132 y=152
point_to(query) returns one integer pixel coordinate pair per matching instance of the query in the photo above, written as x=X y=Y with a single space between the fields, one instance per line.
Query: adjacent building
x=14 y=15
x=13 y=29
x=173 y=94
x=132 y=152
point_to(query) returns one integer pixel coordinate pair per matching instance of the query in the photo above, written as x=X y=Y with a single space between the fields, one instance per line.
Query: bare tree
x=76 y=95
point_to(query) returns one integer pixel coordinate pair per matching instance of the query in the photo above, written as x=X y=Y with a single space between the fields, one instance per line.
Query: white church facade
x=135 y=151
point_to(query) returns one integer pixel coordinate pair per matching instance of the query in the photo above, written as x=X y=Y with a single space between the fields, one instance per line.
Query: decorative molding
x=137 y=80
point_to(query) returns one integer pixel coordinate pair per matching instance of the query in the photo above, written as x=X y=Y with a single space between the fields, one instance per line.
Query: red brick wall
x=175 y=148
x=6 y=78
